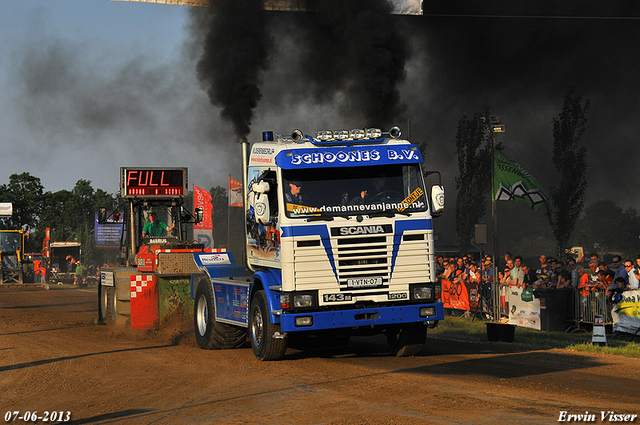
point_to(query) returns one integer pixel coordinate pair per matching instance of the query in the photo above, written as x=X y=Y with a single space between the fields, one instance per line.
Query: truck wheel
x=211 y=334
x=109 y=305
x=407 y=340
x=262 y=331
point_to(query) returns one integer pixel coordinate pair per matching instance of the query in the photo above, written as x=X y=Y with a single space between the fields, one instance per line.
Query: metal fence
x=580 y=309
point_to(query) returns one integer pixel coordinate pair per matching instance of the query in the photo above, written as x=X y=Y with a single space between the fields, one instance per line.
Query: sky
x=90 y=86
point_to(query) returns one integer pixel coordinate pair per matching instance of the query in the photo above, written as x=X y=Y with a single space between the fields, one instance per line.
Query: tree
x=610 y=227
x=566 y=200
x=70 y=215
x=473 y=183
x=26 y=193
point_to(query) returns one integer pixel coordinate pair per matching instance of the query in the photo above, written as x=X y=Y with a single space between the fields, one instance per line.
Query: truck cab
x=339 y=238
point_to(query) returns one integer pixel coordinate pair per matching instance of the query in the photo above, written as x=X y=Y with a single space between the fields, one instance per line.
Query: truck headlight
x=422 y=292
x=304 y=321
x=427 y=311
x=302 y=301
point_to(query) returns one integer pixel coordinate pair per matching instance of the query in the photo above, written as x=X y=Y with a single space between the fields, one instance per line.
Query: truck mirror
x=437 y=200
x=198 y=215
x=261 y=208
x=102 y=215
x=262 y=187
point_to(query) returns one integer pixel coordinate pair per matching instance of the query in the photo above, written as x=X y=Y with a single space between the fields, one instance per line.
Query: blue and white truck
x=339 y=242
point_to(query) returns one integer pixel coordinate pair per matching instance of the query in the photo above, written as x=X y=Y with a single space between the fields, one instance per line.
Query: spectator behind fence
x=593 y=266
x=584 y=287
x=507 y=272
x=614 y=292
x=559 y=269
x=621 y=271
x=544 y=266
x=517 y=274
x=632 y=279
x=541 y=281
x=473 y=276
x=439 y=265
x=636 y=270
x=564 y=280
x=529 y=276
x=572 y=268
x=602 y=266
x=449 y=271
x=487 y=271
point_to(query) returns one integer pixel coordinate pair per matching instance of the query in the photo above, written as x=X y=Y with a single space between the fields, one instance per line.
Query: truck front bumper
x=375 y=316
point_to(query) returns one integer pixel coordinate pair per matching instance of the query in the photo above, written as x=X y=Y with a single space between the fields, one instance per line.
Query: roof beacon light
x=267 y=136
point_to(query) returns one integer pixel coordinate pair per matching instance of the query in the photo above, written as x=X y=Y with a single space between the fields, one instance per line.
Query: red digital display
x=154 y=182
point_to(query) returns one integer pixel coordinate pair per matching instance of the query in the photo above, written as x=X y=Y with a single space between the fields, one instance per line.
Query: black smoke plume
x=357 y=47
x=236 y=49
x=349 y=47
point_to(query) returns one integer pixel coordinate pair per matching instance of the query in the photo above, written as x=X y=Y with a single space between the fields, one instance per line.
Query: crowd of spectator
x=551 y=273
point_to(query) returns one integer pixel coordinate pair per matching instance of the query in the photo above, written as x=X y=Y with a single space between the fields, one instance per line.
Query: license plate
x=365 y=282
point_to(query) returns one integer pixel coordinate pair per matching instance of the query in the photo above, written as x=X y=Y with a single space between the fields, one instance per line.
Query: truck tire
x=109 y=302
x=262 y=331
x=211 y=334
x=407 y=340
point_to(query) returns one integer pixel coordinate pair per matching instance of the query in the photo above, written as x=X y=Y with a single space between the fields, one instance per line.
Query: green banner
x=512 y=182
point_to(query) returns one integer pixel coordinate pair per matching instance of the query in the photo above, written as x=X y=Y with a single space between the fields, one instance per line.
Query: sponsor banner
x=235 y=193
x=524 y=309
x=354 y=156
x=460 y=295
x=626 y=314
x=203 y=231
x=108 y=235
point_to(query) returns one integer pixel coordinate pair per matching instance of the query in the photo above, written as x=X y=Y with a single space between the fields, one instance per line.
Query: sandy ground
x=54 y=359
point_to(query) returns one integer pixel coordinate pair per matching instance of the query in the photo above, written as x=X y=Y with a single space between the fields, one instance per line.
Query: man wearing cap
x=293 y=195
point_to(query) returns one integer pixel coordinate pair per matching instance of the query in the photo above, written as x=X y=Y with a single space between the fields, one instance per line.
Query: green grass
x=467 y=330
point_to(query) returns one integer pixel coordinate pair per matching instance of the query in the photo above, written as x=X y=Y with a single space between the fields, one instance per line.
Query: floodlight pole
x=495 y=127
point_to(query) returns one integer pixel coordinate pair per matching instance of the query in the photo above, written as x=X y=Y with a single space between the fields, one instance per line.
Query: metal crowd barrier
x=594 y=304
x=584 y=309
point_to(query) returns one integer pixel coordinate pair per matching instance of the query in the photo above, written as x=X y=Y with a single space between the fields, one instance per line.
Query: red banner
x=202 y=199
x=460 y=295
x=203 y=231
x=235 y=193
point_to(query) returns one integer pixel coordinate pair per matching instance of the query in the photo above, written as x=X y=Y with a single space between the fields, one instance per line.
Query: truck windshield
x=10 y=242
x=345 y=191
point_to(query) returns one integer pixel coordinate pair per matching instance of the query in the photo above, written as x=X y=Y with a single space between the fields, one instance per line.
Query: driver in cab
x=294 y=194
x=155 y=227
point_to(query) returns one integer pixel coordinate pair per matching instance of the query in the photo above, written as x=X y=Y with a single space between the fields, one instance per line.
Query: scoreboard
x=153 y=182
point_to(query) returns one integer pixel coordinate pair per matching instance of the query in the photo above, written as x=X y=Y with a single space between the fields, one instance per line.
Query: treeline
x=70 y=214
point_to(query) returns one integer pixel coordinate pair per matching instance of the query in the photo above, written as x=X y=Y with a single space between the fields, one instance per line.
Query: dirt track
x=52 y=358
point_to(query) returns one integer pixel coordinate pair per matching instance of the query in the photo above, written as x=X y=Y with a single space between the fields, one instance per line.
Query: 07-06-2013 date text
x=46 y=416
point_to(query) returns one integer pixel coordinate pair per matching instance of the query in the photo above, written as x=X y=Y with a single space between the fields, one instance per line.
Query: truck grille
x=361 y=258
x=361 y=263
